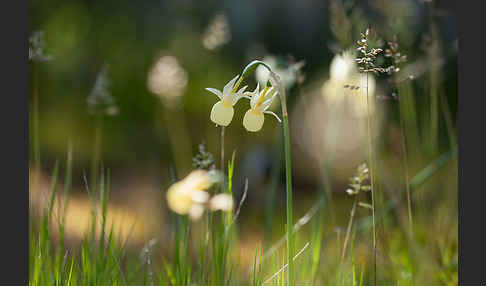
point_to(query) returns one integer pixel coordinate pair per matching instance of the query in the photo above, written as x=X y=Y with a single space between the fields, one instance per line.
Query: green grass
x=104 y=260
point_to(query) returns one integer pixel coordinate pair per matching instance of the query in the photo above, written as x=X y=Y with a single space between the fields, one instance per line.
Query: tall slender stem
x=274 y=185
x=222 y=150
x=407 y=183
x=35 y=119
x=96 y=151
x=370 y=155
x=179 y=139
x=346 y=238
x=35 y=133
x=288 y=175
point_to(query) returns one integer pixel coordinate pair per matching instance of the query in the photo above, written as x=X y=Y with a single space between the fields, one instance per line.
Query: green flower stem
x=222 y=156
x=275 y=80
x=288 y=175
x=249 y=69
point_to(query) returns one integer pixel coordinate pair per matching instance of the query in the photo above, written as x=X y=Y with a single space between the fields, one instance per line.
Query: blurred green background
x=82 y=36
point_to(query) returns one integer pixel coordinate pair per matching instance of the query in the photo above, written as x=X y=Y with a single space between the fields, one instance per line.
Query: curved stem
x=275 y=81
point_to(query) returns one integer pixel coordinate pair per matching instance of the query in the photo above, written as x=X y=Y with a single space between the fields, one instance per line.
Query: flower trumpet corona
x=222 y=112
x=260 y=101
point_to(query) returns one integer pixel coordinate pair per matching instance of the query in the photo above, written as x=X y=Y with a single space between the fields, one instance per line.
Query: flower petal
x=179 y=198
x=223 y=202
x=266 y=104
x=276 y=116
x=215 y=91
x=228 y=88
x=196 y=211
x=238 y=95
x=256 y=99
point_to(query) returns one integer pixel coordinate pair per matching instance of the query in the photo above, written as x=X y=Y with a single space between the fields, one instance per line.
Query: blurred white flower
x=223 y=202
x=347 y=85
x=217 y=33
x=260 y=101
x=289 y=73
x=167 y=79
x=188 y=195
x=327 y=133
x=222 y=112
x=196 y=211
x=330 y=127
x=343 y=66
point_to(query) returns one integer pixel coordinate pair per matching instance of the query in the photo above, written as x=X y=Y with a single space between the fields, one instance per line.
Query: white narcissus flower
x=289 y=72
x=259 y=103
x=189 y=195
x=346 y=84
x=223 y=202
x=222 y=112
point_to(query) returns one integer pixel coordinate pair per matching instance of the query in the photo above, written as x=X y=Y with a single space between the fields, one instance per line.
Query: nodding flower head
x=222 y=112
x=260 y=101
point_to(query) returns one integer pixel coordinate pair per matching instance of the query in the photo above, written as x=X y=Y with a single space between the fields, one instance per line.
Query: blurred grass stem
x=372 y=179
x=35 y=116
x=407 y=183
x=97 y=145
x=274 y=185
x=35 y=131
x=179 y=139
x=346 y=238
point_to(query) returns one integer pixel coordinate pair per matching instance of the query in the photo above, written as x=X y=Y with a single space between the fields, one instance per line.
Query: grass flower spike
x=260 y=101
x=222 y=112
